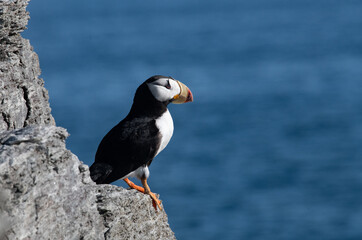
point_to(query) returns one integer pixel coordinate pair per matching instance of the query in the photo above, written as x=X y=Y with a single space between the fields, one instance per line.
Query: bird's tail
x=99 y=172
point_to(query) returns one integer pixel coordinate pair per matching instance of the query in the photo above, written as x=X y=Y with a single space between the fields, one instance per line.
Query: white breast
x=165 y=126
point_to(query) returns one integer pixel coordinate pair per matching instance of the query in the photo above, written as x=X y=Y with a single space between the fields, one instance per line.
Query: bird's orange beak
x=184 y=96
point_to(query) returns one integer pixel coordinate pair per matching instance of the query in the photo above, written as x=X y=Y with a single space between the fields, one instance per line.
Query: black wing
x=125 y=148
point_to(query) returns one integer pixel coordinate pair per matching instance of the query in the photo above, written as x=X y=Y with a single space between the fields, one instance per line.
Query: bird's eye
x=168 y=85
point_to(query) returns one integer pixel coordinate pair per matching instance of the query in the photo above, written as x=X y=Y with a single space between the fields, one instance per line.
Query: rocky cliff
x=24 y=100
x=45 y=191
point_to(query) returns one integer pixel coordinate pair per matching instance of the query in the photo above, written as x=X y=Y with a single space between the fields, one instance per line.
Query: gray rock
x=129 y=215
x=45 y=191
x=49 y=194
x=23 y=98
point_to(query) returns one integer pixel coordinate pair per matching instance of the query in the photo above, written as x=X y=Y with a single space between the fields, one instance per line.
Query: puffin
x=129 y=148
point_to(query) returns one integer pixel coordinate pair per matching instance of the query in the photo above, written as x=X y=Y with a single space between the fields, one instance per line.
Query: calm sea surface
x=272 y=146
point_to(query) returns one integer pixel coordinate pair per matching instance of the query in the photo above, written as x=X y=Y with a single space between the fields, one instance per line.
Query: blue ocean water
x=272 y=146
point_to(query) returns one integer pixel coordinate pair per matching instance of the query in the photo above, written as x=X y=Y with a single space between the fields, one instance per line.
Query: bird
x=129 y=148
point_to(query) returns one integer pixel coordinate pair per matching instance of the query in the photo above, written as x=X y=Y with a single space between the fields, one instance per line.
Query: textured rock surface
x=49 y=194
x=23 y=98
x=45 y=191
x=45 y=187
x=130 y=215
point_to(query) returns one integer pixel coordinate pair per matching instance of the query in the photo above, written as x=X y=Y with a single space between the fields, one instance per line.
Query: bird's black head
x=164 y=90
x=158 y=91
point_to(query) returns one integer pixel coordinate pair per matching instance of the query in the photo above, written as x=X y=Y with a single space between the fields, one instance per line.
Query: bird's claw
x=155 y=202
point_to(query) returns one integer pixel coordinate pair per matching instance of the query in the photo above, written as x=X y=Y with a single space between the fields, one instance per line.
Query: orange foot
x=146 y=190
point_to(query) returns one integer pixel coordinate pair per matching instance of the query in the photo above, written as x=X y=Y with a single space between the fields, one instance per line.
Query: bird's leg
x=134 y=186
x=155 y=202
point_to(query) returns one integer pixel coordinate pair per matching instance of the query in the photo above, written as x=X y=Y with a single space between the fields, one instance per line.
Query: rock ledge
x=49 y=194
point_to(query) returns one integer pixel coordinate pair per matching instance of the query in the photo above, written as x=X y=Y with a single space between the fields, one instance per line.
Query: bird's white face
x=166 y=89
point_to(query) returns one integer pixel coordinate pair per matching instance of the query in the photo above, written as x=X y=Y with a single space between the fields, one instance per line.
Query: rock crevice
x=23 y=98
